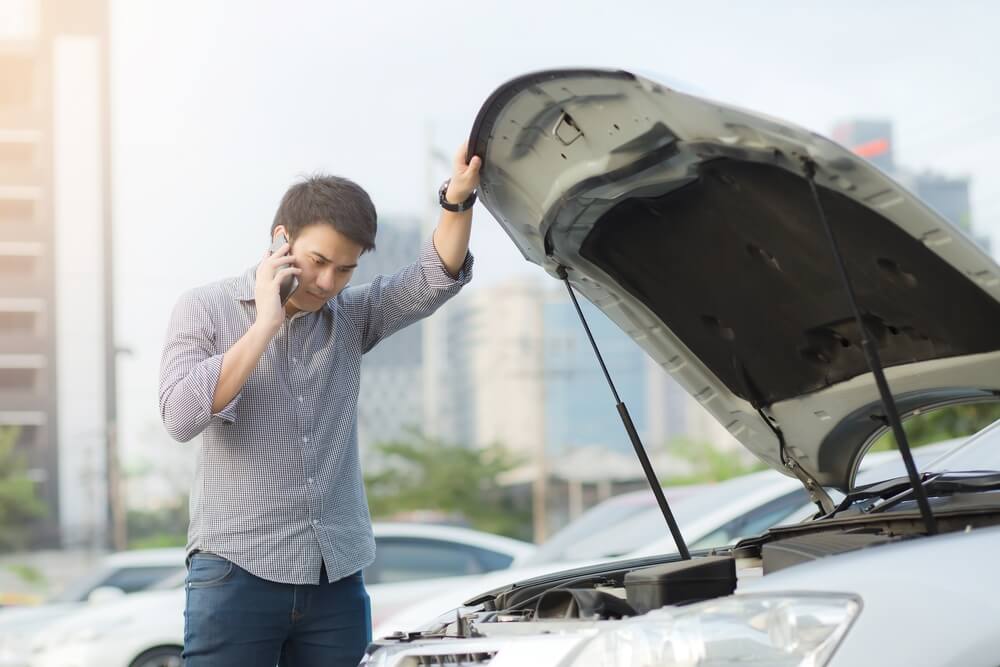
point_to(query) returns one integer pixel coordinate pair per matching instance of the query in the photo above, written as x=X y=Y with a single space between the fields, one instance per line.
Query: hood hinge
x=816 y=491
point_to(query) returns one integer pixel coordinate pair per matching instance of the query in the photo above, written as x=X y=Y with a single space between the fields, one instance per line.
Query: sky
x=217 y=107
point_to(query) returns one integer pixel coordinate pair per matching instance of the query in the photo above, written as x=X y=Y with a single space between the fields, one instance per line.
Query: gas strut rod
x=633 y=435
x=874 y=361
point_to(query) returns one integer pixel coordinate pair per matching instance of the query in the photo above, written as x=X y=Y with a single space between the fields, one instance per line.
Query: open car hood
x=691 y=225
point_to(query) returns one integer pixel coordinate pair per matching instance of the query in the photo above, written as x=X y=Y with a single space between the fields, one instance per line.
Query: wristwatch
x=454 y=208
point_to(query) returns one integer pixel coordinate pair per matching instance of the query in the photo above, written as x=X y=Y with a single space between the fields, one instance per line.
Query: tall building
x=56 y=350
x=871 y=139
x=949 y=196
x=580 y=408
x=390 y=399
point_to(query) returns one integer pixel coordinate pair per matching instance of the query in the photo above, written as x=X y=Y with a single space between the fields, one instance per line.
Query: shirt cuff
x=208 y=373
x=435 y=272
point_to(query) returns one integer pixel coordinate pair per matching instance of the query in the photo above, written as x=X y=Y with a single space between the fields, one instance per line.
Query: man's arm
x=240 y=360
x=196 y=384
x=451 y=237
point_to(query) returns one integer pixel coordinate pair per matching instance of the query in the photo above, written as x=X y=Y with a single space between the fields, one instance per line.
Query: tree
x=425 y=473
x=942 y=424
x=19 y=501
x=708 y=463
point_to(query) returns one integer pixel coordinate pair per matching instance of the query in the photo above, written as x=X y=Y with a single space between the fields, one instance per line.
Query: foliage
x=19 y=501
x=165 y=527
x=424 y=473
x=708 y=463
x=942 y=424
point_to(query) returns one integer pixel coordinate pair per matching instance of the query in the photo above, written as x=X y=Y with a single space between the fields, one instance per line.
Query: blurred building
x=949 y=196
x=522 y=372
x=56 y=351
x=871 y=139
x=390 y=400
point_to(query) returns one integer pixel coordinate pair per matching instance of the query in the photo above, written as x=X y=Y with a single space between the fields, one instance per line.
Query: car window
x=413 y=558
x=132 y=579
x=754 y=522
x=492 y=560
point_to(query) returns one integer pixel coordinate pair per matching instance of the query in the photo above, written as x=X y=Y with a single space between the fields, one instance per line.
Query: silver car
x=808 y=302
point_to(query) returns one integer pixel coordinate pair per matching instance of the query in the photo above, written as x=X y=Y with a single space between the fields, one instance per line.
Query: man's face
x=327 y=259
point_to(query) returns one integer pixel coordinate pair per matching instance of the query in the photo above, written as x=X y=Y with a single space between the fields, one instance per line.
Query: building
x=56 y=350
x=390 y=399
x=949 y=196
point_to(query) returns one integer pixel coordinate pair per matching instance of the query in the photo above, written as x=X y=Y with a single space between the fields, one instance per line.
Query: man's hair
x=331 y=200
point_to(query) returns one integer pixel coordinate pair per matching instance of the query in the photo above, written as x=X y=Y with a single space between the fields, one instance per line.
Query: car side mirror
x=104 y=594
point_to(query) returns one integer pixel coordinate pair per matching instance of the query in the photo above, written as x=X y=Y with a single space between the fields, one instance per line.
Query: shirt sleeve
x=189 y=372
x=389 y=303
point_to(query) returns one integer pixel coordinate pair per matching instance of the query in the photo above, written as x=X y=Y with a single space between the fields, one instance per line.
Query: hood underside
x=692 y=226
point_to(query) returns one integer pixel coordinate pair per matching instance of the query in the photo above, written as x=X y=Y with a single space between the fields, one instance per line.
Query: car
x=147 y=629
x=810 y=304
x=117 y=574
x=632 y=526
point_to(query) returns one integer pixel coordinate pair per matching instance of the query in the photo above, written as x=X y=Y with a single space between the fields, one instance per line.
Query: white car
x=809 y=303
x=631 y=526
x=147 y=629
x=118 y=574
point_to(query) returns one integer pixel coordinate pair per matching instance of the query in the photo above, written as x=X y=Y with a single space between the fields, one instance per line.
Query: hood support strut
x=633 y=435
x=873 y=359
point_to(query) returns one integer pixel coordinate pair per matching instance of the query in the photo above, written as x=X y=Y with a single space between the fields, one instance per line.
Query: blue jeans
x=234 y=619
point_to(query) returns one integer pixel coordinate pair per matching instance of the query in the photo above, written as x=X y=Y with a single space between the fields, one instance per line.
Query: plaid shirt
x=278 y=487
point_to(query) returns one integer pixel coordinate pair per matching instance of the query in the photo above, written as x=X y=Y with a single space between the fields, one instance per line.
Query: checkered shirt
x=278 y=487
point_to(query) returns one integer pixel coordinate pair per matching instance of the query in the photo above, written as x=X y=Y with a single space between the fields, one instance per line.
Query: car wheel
x=164 y=656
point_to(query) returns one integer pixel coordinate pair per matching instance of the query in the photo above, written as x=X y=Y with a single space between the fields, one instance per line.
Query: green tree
x=19 y=501
x=943 y=424
x=708 y=463
x=166 y=527
x=424 y=473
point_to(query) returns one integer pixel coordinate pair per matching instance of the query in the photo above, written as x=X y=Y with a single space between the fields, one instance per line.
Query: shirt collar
x=243 y=284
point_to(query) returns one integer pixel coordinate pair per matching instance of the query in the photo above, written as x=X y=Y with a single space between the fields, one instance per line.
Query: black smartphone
x=291 y=283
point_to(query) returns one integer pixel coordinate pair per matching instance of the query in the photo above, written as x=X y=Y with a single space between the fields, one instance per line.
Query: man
x=280 y=529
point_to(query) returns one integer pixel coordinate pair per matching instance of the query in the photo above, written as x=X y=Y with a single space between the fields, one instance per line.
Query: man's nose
x=325 y=280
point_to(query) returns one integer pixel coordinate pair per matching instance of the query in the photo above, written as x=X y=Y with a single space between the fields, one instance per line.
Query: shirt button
x=300 y=399
x=310 y=480
x=315 y=521
x=305 y=439
x=295 y=360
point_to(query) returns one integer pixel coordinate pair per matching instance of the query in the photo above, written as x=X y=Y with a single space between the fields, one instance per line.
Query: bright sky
x=218 y=106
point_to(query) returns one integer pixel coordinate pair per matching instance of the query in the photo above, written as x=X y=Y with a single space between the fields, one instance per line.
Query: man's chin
x=308 y=302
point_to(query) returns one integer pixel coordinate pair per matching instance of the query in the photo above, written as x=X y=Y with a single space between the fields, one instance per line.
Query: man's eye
x=318 y=262
x=345 y=269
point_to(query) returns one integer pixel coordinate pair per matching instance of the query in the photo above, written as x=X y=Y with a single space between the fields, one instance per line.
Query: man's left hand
x=465 y=177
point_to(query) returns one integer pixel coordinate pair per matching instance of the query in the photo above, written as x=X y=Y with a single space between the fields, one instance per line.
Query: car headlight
x=775 y=630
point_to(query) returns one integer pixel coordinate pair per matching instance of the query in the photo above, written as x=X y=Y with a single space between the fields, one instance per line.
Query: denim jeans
x=235 y=619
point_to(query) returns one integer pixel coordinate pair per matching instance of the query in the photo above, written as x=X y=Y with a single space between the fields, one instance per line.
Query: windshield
x=611 y=528
x=980 y=452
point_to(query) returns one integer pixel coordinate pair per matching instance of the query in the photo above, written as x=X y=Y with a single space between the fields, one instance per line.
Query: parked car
x=632 y=526
x=723 y=241
x=118 y=574
x=147 y=629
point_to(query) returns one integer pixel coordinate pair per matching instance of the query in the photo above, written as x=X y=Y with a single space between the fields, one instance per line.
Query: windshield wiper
x=874 y=361
x=633 y=435
x=943 y=484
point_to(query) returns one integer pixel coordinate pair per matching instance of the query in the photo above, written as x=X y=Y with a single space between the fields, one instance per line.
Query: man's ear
x=279 y=229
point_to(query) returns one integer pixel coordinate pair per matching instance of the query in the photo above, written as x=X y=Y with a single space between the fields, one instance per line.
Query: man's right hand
x=274 y=268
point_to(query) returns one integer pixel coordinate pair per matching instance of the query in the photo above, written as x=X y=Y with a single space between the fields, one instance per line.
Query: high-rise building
x=948 y=195
x=871 y=139
x=56 y=350
x=579 y=405
x=390 y=399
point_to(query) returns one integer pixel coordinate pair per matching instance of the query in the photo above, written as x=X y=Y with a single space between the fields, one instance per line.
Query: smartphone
x=291 y=283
